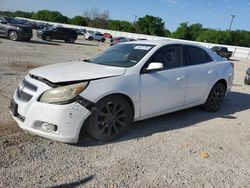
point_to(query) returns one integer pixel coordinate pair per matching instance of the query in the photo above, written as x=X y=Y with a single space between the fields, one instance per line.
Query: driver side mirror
x=154 y=66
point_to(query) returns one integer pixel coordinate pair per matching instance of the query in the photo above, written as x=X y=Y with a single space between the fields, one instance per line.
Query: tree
x=182 y=32
x=118 y=25
x=194 y=31
x=78 y=20
x=95 y=18
x=150 y=25
x=51 y=16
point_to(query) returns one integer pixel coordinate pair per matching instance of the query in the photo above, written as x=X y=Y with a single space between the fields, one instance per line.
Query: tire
x=102 y=40
x=71 y=40
x=246 y=81
x=215 y=98
x=13 y=35
x=47 y=38
x=111 y=118
x=90 y=38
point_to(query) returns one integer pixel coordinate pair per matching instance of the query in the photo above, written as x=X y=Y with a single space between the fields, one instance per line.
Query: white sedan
x=125 y=83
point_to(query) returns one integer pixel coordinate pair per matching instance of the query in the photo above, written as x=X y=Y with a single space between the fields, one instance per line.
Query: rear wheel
x=103 y=40
x=215 y=98
x=111 y=119
x=90 y=38
x=13 y=35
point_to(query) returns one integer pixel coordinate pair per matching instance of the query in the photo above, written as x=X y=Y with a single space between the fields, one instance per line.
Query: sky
x=210 y=13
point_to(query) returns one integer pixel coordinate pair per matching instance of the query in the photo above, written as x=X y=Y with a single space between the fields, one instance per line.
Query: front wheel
x=111 y=118
x=215 y=98
x=48 y=38
x=13 y=35
x=71 y=40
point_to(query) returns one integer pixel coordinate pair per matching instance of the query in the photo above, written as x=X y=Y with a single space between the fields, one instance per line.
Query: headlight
x=63 y=94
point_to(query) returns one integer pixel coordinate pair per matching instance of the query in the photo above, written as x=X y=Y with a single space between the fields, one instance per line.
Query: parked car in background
x=94 y=36
x=33 y=25
x=82 y=32
x=107 y=35
x=222 y=51
x=11 y=28
x=247 y=77
x=42 y=25
x=58 y=33
x=120 y=40
x=125 y=83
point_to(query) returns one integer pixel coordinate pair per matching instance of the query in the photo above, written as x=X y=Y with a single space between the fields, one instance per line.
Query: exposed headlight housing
x=63 y=94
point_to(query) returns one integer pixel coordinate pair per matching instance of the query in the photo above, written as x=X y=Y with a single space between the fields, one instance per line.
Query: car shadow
x=75 y=43
x=233 y=103
x=233 y=59
x=75 y=184
x=42 y=42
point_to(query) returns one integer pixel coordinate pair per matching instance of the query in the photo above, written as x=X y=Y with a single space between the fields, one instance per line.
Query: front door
x=165 y=89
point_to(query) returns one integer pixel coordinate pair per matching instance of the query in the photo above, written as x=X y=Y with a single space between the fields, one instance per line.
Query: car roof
x=163 y=42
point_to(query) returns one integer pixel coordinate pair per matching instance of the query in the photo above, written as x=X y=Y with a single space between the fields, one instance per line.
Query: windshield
x=11 y=20
x=122 y=55
x=52 y=28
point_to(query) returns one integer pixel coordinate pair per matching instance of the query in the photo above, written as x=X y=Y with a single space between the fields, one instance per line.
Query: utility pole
x=135 y=18
x=233 y=16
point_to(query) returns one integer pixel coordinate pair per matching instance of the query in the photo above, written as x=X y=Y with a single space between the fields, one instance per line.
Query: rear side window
x=170 y=56
x=196 y=56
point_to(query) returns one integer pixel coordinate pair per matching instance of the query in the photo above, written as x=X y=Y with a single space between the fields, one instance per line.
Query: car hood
x=76 y=71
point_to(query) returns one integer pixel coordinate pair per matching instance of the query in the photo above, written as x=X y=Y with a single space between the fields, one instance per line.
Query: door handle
x=180 y=78
x=210 y=71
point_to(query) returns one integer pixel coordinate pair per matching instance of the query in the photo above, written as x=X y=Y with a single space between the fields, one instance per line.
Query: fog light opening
x=49 y=127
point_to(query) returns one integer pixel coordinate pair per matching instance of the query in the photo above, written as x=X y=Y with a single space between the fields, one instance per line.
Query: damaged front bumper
x=57 y=122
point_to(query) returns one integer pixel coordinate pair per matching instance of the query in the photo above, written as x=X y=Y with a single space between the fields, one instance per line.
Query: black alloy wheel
x=111 y=119
x=215 y=98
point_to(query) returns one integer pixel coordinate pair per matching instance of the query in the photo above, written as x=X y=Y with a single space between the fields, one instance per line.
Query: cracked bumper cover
x=68 y=118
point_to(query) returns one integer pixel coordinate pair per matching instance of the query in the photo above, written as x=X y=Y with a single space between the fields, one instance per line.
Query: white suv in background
x=89 y=35
x=125 y=83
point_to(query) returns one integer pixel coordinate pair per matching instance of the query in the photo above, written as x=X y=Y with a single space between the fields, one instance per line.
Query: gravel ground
x=190 y=148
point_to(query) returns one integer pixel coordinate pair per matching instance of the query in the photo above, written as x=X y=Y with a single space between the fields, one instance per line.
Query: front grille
x=26 y=90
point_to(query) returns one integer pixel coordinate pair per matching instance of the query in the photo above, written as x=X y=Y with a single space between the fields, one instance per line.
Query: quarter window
x=170 y=56
x=197 y=56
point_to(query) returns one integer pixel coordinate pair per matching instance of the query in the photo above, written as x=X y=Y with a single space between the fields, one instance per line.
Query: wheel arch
x=8 y=32
x=126 y=97
x=223 y=81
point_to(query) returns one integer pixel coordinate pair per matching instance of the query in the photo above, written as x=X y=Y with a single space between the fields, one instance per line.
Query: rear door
x=200 y=70
x=165 y=89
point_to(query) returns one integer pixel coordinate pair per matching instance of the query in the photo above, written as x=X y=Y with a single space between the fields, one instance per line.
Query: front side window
x=11 y=20
x=196 y=56
x=122 y=55
x=170 y=56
